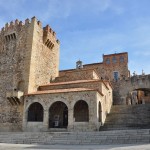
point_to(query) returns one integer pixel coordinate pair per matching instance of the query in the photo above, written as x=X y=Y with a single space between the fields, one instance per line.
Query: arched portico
x=58 y=115
x=81 y=111
x=35 y=112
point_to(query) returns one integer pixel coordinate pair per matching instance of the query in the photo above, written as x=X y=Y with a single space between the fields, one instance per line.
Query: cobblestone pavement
x=4 y=146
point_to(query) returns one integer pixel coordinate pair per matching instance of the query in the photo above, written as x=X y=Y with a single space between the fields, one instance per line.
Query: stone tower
x=116 y=66
x=29 y=56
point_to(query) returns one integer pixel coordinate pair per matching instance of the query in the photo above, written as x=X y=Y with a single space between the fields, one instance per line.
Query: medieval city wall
x=123 y=88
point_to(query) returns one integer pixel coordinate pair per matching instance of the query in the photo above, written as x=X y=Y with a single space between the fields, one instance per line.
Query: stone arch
x=140 y=95
x=81 y=111
x=99 y=112
x=58 y=115
x=35 y=112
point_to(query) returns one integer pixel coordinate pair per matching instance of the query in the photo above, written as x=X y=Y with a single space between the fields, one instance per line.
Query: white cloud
x=57 y=9
x=68 y=8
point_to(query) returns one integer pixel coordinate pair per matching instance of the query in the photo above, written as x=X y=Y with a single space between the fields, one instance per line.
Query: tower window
x=10 y=37
x=116 y=75
x=121 y=59
x=114 y=60
x=107 y=61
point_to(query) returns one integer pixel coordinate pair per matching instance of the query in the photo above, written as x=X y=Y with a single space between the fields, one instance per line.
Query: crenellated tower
x=29 y=57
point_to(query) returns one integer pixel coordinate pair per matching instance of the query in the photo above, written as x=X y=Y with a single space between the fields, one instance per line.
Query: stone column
x=24 y=122
x=93 y=116
x=46 y=120
x=70 y=119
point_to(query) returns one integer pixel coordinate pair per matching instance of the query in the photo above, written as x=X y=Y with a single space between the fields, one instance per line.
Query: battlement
x=48 y=30
x=140 y=77
x=134 y=78
x=49 y=36
x=15 y=24
x=115 y=58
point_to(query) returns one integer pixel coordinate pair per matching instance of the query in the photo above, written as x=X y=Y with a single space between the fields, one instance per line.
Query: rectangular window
x=116 y=75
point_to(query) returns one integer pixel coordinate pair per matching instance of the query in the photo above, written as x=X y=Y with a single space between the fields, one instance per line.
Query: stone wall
x=107 y=68
x=76 y=74
x=12 y=61
x=26 y=61
x=123 y=88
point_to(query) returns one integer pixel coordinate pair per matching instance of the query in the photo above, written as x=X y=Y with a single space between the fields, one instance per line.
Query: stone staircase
x=78 y=138
x=125 y=125
x=125 y=117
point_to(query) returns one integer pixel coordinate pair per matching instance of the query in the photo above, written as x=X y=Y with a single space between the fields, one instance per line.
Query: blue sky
x=87 y=29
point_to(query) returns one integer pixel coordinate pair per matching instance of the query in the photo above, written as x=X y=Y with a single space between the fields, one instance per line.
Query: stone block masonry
x=29 y=56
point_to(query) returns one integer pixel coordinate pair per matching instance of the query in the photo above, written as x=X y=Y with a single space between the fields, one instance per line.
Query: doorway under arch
x=35 y=112
x=58 y=115
x=81 y=111
x=140 y=96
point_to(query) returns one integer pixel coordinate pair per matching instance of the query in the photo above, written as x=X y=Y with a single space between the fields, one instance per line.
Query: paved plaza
x=4 y=146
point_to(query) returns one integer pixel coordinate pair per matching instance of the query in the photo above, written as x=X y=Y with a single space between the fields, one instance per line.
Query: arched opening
x=140 y=96
x=58 y=115
x=143 y=96
x=99 y=112
x=35 y=112
x=81 y=111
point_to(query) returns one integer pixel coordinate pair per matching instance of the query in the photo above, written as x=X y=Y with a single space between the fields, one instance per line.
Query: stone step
x=83 y=138
x=128 y=117
x=105 y=128
x=134 y=107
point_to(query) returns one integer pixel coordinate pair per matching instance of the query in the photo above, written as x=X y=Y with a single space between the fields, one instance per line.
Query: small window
x=116 y=76
x=10 y=37
x=107 y=61
x=114 y=60
x=121 y=59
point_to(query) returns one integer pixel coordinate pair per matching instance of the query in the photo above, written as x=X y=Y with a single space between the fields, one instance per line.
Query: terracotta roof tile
x=67 y=70
x=72 y=82
x=93 y=64
x=77 y=70
x=76 y=82
x=63 y=91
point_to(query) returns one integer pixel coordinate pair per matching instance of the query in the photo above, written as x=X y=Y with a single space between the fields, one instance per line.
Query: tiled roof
x=93 y=64
x=76 y=82
x=63 y=91
x=77 y=70
x=67 y=70
x=72 y=82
